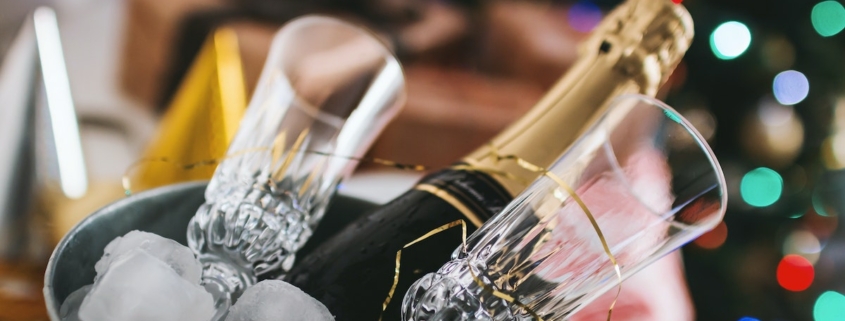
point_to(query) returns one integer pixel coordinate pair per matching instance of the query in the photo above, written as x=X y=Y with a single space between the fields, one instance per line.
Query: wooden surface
x=21 y=298
x=151 y=31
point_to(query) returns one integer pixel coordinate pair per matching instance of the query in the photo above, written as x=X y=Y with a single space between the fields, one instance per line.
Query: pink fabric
x=627 y=211
x=657 y=293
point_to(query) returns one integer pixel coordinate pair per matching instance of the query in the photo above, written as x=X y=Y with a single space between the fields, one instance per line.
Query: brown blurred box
x=254 y=39
x=449 y=112
x=152 y=27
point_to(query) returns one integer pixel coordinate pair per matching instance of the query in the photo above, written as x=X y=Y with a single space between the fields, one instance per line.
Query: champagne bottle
x=633 y=50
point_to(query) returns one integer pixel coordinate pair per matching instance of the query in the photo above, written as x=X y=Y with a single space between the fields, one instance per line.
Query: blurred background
x=764 y=82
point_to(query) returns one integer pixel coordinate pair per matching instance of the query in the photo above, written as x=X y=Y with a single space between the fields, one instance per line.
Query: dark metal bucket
x=165 y=211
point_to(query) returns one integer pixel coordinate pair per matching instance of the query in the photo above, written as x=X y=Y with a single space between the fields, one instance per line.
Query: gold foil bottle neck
x=633 y=50
x=653 y=36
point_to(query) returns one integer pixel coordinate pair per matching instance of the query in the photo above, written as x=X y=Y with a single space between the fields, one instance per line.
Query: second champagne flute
x=636 y=186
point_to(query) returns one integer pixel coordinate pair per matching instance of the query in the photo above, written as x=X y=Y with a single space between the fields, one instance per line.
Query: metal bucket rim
x=49 y=299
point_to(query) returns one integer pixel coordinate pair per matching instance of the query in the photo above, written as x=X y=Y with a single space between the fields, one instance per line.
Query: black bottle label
x=476 y=195
x=352 y=272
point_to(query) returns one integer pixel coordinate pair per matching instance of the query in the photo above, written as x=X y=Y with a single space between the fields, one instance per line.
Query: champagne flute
x=328 y=88
x=642 y=174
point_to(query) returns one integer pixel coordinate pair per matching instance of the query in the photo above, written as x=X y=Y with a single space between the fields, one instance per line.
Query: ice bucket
x=164 y=211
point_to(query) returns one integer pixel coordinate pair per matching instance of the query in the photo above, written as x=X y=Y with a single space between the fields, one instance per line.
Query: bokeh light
x=730 y=40
x=828 y=18
x=833 y=151
x=795 y=273
x=821 y=226
x=584 y=16
x=714 y=238
x=761 y=187
x=774 y=137
x=803 y=243
x=819 y=204
x=791 y=87
x=702 y=120
x=748 y=319
x=778 y=53
x=830 y=306
x=773 y=114
x=833 y=147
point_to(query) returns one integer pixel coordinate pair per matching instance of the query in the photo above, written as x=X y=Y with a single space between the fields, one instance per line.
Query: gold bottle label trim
x=475 y=194
x=452 y=201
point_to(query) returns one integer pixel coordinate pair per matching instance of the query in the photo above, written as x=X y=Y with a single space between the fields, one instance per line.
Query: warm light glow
x=761 y=187
x=778 y=53
x=833 y=147
x=702 y=120
x=839 y=114
x=828 y=18
x=821 y=226
x=791 y=87
x=775 y=136
x=730 y=40
x=830 y=306
x=795 y=273
x=584 y=16
x=803 y=243
x=773 y=114
x=714 y=238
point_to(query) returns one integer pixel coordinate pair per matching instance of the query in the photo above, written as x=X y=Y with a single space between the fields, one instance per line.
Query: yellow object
x=202 y=119
x=64 y=213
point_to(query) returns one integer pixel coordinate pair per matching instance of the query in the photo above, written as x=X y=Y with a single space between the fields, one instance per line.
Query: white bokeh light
x=730 y=40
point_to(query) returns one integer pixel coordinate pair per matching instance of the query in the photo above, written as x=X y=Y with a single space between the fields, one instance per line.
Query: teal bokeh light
x=830 y=306
x=761 y=187
x=828 y=18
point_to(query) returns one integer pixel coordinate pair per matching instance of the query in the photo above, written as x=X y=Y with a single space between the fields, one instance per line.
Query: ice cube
x=139 y=287
x=70 y=308
x=274 y=300
x=179 y=257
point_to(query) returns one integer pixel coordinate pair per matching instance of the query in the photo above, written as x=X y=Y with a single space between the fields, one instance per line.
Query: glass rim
x=287 y=36
x=328 y=19
x=699 y=141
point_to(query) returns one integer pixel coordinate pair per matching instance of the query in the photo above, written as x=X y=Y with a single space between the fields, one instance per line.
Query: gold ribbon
x=599 y=233
x=560 y=182
x=127 y=184
x=419 y=239
x=276 y=152
x=510 y=299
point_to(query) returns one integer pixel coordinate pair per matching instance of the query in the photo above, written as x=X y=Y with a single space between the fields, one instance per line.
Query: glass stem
x=225 y=281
